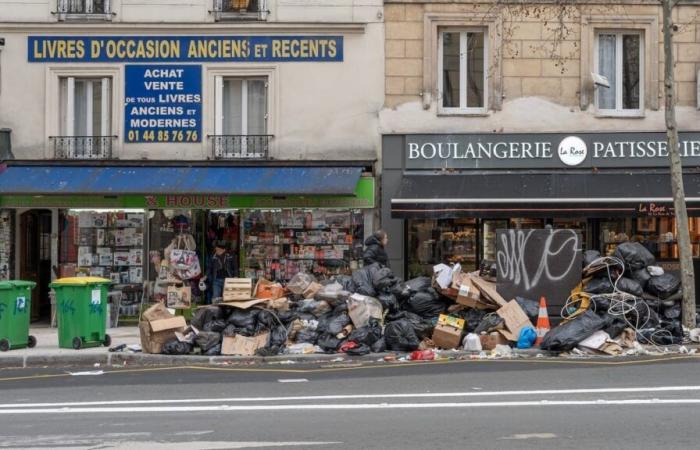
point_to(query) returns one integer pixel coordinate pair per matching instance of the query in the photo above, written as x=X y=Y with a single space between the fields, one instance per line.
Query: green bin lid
x=79 y=281
x=6 y=285
x=23 y=284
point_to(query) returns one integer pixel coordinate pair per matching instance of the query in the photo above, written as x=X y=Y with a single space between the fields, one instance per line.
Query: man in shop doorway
x=221 y=265
x=375 y=249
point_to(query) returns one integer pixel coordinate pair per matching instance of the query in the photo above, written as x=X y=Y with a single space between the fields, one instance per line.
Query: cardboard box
x=268 y=289
x=515 y=320
x=446 y=336
x=157 y=312
x=243 y=346
x=237 y=289
x=452 y=321
x=469 y=295
x=310 y=291
x=174 y=323
x=152 y=340
x=490 y=341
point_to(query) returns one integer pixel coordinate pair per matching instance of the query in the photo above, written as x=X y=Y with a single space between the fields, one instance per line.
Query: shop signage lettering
x=163 y=103
x=195 y=201
x=546 y=150
x=655 y=210
x=81 y=49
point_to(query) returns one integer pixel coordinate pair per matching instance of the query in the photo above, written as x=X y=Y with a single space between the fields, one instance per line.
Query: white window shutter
x=70 y=106
x=106 y=112
x=218 y=105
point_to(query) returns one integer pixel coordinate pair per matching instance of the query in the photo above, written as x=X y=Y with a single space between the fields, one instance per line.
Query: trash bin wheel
x=4 y=345
x=31 y=342
x=108 y=340
x=77 y=343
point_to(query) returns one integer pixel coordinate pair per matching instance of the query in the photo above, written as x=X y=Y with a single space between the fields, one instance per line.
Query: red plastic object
x=422 y=355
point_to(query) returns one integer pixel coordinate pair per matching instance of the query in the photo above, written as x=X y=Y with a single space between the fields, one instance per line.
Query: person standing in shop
x=375 y=249
x=221 y=265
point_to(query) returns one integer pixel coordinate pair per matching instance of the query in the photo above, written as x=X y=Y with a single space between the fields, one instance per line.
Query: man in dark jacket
x=222 y=265
x=375 y=249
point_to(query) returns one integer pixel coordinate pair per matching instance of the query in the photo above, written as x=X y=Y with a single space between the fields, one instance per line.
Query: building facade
x=519 y=115
x=128 y=124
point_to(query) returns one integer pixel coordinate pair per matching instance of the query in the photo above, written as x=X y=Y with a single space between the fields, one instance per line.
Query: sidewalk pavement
x=47 y=354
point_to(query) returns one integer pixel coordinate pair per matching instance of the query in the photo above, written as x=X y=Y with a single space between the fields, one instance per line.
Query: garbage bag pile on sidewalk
x=622 y=300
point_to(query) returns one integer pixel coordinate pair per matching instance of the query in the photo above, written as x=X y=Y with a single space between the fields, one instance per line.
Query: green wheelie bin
x=15 y=305
x=81 y=304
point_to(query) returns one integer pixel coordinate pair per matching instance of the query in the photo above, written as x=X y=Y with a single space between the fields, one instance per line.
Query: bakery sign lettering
x=546 y=150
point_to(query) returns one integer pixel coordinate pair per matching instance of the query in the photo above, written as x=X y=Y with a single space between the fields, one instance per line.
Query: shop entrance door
x=35 y=258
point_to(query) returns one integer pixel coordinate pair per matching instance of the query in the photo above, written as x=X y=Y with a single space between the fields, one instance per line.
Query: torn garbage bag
x=567 y=335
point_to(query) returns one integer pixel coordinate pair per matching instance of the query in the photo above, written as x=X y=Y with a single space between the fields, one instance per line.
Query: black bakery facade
x=444 y=196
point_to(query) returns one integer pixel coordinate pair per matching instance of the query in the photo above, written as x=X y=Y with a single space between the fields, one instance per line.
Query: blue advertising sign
x=163 y=103
x=184 y=48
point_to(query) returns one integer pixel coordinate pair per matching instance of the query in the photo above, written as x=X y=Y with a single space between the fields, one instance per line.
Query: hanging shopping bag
x=183 y=259
x=179 y=297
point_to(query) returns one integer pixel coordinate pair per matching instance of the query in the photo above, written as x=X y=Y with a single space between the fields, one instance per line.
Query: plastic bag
x=361 y=308
x=527 y=338
x=206 y=314
x=531 y=308
x=382 y=278
x=672 y=312
x=214 y=351
x=300 y=282
x=426 y=305
x=379 y=346
x=664 y=286
x=230 y=330
x=278 y=336
x=207 y=339
x=388 y=301
x=472 y=317
x=589 y=256
x=363 y=282
x=175 y=347
x=599 y=286
x=420 y=284
x=329 y=293
x=215 y=325
x=361 y=349
x=266 y=319
x=367 y=335
x=615 y=328
x=641 y=276
x=401 y=336
x=567 y=335
x=635 y=255
x=630 y=286
x=488 y=270
x=472 y=343
x=337 y=324
x=306 y=336
x=329 y=343
x=423 y=328
x=314 y=307
x=489 y=323
x=243 y=318
x=346 y=282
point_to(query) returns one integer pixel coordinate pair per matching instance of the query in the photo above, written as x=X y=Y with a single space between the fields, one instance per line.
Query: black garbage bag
x=337 y=323
x=672 y=312
x=658 y=336
x=305 y=316
x=630 y=286
x=615 y=328
x=379 y=346
x=342 y=308
x=635 y=256
x=426 y=305
x=420 y=284
x=401 y=291
x=600 y=304
x=230 y=330
x=266 y=319
x=215 y=325
x=329 y=343
x=489 y=323
x=641 y=315
x=589 y=256
x=530 y=307
x=243 y=318
x=362 y=349
x=642 y=277
x=383 y=279
x=207 y=339
x=363 y=281
x=673 y=326
x=287 y=316
x=422 y=327
x=368 y=334
x=488 y=269
x=664 y=285
x=323 y=321
x=278 y=336
x=175 y=347
x=206 y=314
x=567 y=335
x=473 y=318
x=346 y=282
x=214 y=351
x=306 y=336
x=388 y=301
x=599 y=286
x=401 y=336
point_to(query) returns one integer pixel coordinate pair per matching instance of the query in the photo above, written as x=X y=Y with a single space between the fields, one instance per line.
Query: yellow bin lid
x=79 y=281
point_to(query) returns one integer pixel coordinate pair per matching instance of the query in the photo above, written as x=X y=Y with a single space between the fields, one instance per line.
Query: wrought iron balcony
x=240 y=146
x=82 y=147
x=240 y=9
x=84 y=9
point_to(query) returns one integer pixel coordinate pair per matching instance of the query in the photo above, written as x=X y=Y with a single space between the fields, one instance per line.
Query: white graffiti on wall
x=559 y=247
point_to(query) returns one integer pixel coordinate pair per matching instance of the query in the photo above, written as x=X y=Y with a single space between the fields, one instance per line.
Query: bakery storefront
x=444 y=196
x=121 y=223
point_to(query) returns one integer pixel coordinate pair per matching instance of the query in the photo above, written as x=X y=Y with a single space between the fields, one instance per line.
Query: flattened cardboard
x=515 y=320
x=488 y=290
x=157 y=312
x=447 y=337
x=243 y=346
x=174 y=323
x=245 y=305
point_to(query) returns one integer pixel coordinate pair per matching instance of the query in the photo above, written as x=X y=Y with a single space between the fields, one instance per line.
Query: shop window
x=620 y=58
x=85 y=121
x=241 y=129
x=432 y=242
x=462 y=71
x=240 y=9
x=84 y=9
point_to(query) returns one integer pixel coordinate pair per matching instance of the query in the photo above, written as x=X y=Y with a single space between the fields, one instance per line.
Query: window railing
x=82 y=147
x=81 y=9
x=240 y=9
x=240 y=146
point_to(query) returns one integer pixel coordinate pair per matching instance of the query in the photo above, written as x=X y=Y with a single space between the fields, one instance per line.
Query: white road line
x=362 y=396
x=348 y=406
x=518 y=437
x=293 y=380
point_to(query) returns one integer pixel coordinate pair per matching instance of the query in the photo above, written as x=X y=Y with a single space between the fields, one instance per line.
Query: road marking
x=530 y=436
x=293 y=380
x=363 y=396
x=346 y=406
x=91 y=373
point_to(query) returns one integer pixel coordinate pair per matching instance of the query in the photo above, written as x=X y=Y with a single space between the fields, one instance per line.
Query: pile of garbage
x=622 y=301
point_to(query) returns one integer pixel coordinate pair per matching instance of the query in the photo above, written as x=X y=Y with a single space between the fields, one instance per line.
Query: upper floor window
x=241 y=118
x=620 y=58
x=84 y=9
x=240 y=9
x=85 y=121
x=462 y=71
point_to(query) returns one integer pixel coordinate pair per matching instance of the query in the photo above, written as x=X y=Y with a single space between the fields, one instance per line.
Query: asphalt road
x=465 y=404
